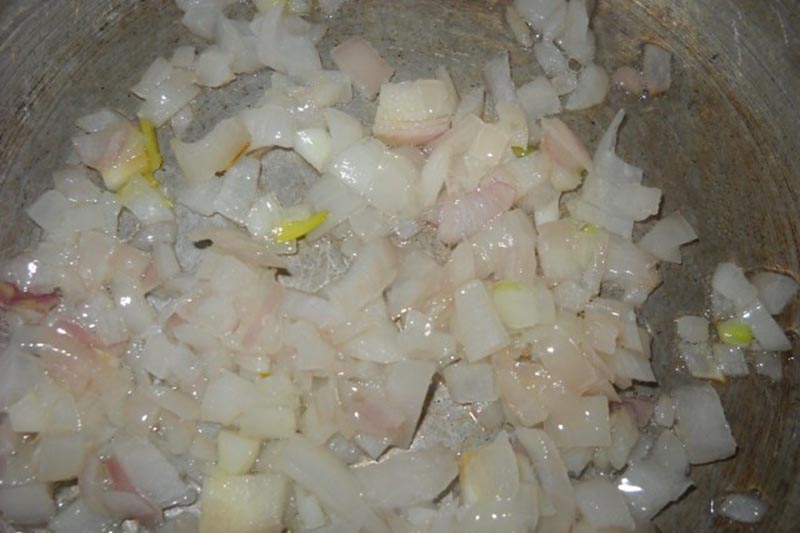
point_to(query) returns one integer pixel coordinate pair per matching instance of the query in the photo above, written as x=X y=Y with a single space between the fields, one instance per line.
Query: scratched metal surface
x=723 y=143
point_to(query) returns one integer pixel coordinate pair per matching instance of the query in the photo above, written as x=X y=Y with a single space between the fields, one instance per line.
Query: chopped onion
x=478 y=327
x=550 y=59
x=667 y=236
x=775 y=290
x=692 y=328
x=701 y=424
x=602 y=505
x=471 y=103
x=745 y=508
x=413 y=112
x=282 y=47
x=367 y=69
x=536 y=12
x=538 y=98
x=408 y=478
x=593 y=85
x=469 y=383
x=29 y=505
x=578 y=40
x=580 y=422
x=169 y=97
x=497 y=75
x=656 y=69
x=629 y=80
x=215 y=152
x=213 y=68
x=518 y=27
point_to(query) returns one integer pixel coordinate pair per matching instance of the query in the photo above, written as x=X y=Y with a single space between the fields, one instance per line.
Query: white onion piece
x=344 y=129
x=99 y=120
x=606 y=162
x=169 y=97
x=149 y=471
x=201 y=19
x=374 y=269
x=536 y=12
x=775 y=290
x=315 y=146
x=580 y=422
x=323 y=475
x=240 y=504
x=656 y=69
x=538 y=98
x=701 y=424
x=552 y=476
x=336 y=197
x=692 y=328
x=669 y=452
x=408 y=478
x=19 y=372
x=699 y=360
x=650 y=487
x=602 y=505
x=563 y=147
x=744 y=508
x=158 y=71
x=518 y=27
x=236 y=39
x=664 y=414
x=239 y=185
x=213 y=67
x=767 y=332
x=183 y=57
x=631 y=269
x=489 y=473
x=624 y=436
x=666 y=236
x=281 y=47
x=524 y=306
x=413 y=112
x=497 y=76
x=181 y=120
x=578 y=40
x=478 y=327
x=79 y=518
x=30 y=504
x=471 y=103
x=469 y=383
x=629 y=80
x=768 y=364
x=384 y=178
x=593 y=86
x=730 y=359
x=215 y=152
x=59 y=457
x=367 y=69
x=550 y=59
x=462 y=217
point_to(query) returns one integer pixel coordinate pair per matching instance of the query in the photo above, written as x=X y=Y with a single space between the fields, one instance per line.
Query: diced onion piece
x=315 y=146
x=730 y=359
x=218 y=150
x=269 y=125
x=464 y=216
x=551 y=59
x=650 y=487
x=536 y=12
x=656 y=69
x=322 y=474
x=471 y=103
x=413 y=112
x=478 y=326
x=539 y=98
x=285 y=42
x=469 y=383
x=117 y=153
x=242 y=504
x=30 y=504
x=489 y=473
x=692 y=328
x=775 y=290
x=384 y=178
x=768 y=364
x=408 y=478
x=153 y=476
x=578 y=40
x=344 y=129
x=518 y=27
x=236 y=454
x=666 y=236
x=700 y=360
x=701 y=424
x=521 y=306
x=744 y=508
x=169 y=97
x=593 y=86
x=563 y=147
x=602 y=505
x=580 y=422
x=213 y=67
x=497 y=75
x=99 y=120
x=367 y=69
x=629 y=80
x=148 y=204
